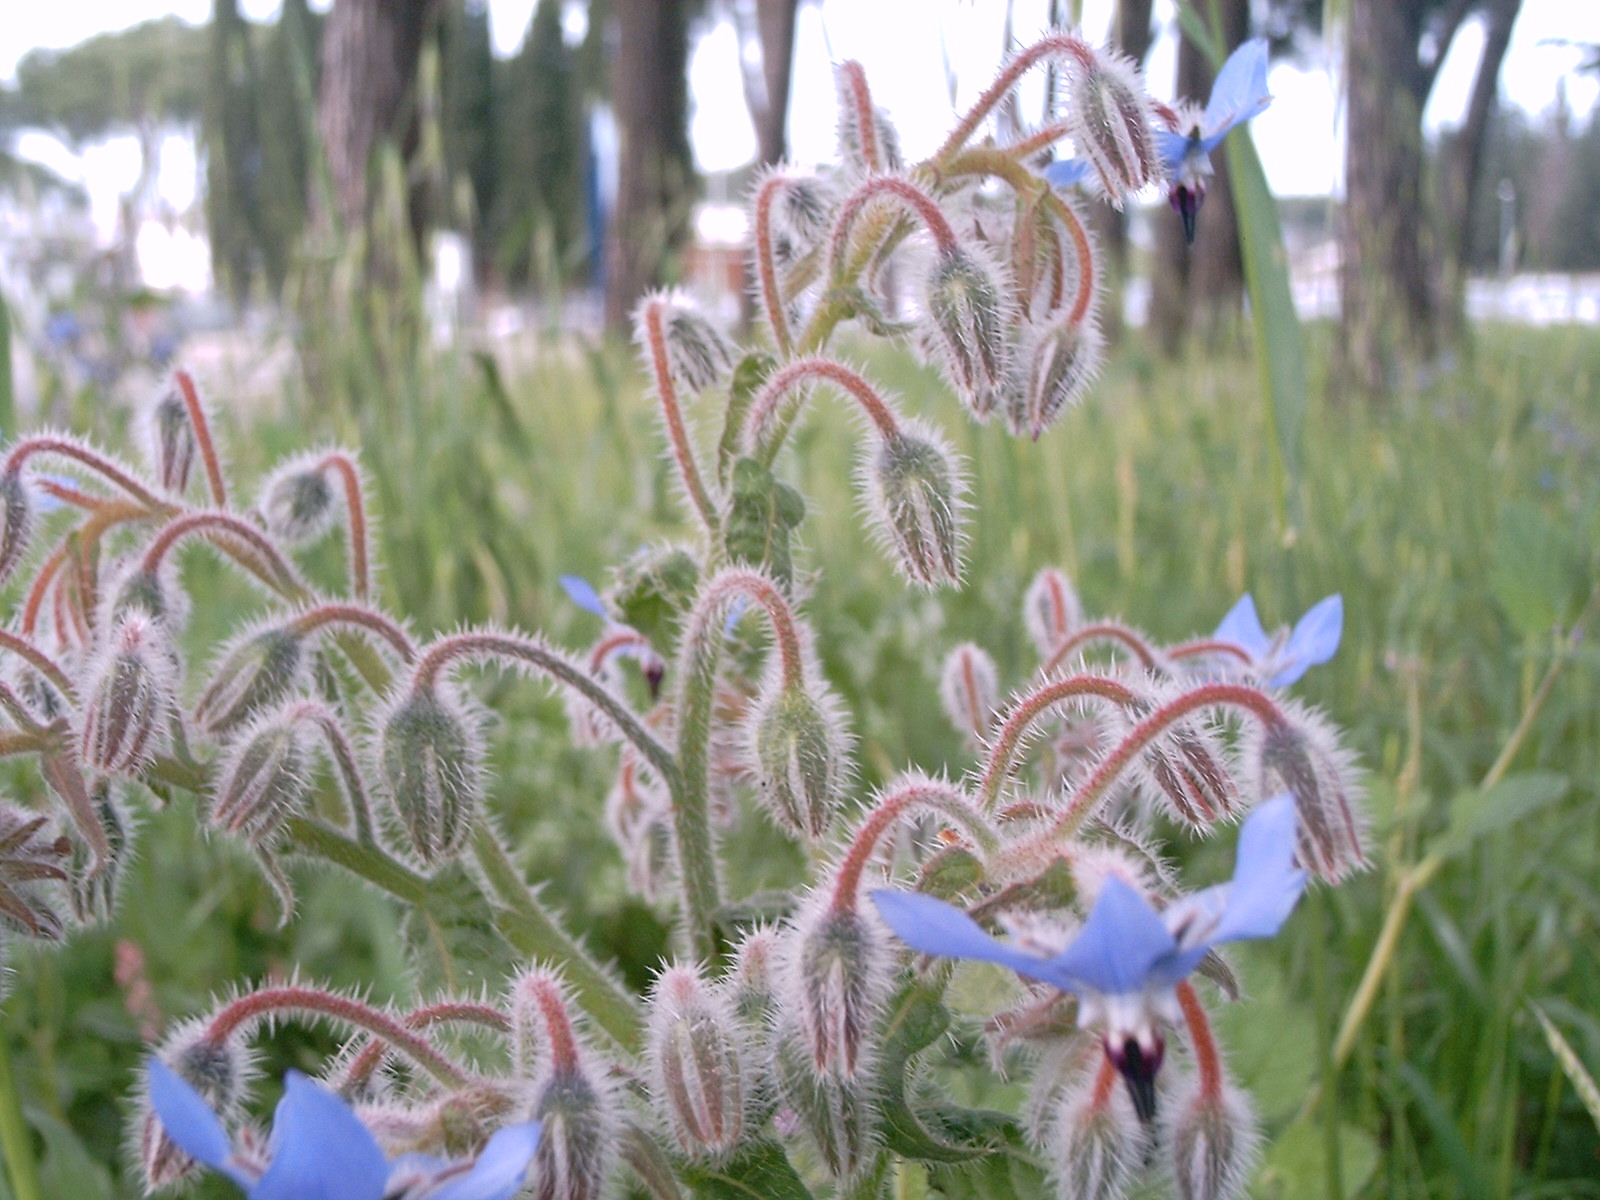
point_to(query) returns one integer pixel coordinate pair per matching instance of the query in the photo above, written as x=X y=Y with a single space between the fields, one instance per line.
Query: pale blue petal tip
x=1067 y=172
x=501 y=1168
x=188 y=1120
x=931 y=926
x=1240 y=90
x=1266 y=884
x=581 y=592
x=1242 y=627
x=320 y=1149
x=1121 y=942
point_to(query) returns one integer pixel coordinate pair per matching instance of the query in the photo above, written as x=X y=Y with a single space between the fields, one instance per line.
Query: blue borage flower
x=1239 y=93
x=320 y=1150
x=1127 y=961
x=1282 y=660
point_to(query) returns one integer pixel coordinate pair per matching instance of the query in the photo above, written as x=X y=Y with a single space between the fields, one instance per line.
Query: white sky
x=904 y=46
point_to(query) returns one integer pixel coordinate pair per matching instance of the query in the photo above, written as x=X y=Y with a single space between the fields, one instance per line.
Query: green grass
x=1460 y=523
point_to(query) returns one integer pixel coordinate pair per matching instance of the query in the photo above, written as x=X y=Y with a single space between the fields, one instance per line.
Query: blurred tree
x=655 y=185
x=233 y=156
x=766 y=37
x=1394 y=259
x=286 y=100
x=1132 y=33
x=470 y=114
x=539 y=212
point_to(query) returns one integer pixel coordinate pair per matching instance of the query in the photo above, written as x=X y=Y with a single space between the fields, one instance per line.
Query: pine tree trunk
x=649 y=86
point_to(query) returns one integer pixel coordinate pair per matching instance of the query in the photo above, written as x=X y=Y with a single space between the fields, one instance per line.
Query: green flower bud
x=431 y=756
x=914 y=492
x=261 y=669
x=16 y=521
x=696 y=1057
x=169 y=440
x=129 y=698
x=1061 y=362
x=265 y=778
x=1109 y=114
x=298 y=501
x=969 y=319
x=800 y=752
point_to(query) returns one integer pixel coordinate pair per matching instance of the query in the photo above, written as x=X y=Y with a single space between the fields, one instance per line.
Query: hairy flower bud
x=698 y=353
x=969 y=689
x=696 y=1058
x=298 y=501
x=1187 y=766
x=1109 y=114
x=1212 y=1142
x=868 y=141
x=1096 y=1143
x=431 y=756
x=837 y=1113
x=264 y=778
x=16 y=521
x=1051 y=610
x=129 y=698
x=219 y=1070
x=968 y=318
x=1302 y=756
x=262 y=668
x=835 y=973
x=915 y=493
x=30 y=858
x=801 y=756
x=1058 y=364
x=169 y=438
x=155 y=593
x=801 y=209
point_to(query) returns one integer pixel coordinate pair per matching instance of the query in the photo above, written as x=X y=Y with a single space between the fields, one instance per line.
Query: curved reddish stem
x=39 y=660
x=370 y=1057
x=736 y=581
x=229 y=526
x=202 y=435
x=361 y=617
x=903 y=190
x=667 y=393
x=552 y=1008
x=1104 y=631
x=849 y=382
x=1050 y=46
x=766 y=266
x=1210 y=646
x=1008 y=739
x=1207 y=1061
x=943 y=798
x=355 y=507
x=860 y=99
x=45 y=443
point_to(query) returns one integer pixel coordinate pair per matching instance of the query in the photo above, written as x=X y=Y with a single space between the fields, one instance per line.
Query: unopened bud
x=154 y=592
x=868 y=142
x=836 y=971
x=30 y=860
x=800 y=752
x=838 y=1114
x=432 y=761
x=129 y=698
x=1110 y=118
x=652 y=591
x=915 y=492
x=219 y=1071
x=1188 y=768
x=800 y=213
x=969 y=689
x=752 y=977
x=261 y=669
x=1051 y=610
x=170 y=441
x=1059 y=363
x=696 y=1063
x=16 y=521
x=968 y=319
x=264 y=778
x=1096 y=1142
x=1302 y=756
x=698 y=353
x=298 y=502
x=1212 y=1142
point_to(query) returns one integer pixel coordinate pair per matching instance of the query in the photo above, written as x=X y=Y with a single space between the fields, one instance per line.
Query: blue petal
x=934 y=927
x=321 y=1150
x=1266 y=883
x=1239 y=93
x=1243 y=628
x=1067 y=172
x=1173 y=148
x=1121 y=944
x=1315 y=638
x=581 y=592
x=500 y=1169
x=186 y=1117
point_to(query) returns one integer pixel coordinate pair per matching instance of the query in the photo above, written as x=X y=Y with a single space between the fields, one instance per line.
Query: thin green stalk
x=15 y=1139
x=530 y=927
x=1326 y=1066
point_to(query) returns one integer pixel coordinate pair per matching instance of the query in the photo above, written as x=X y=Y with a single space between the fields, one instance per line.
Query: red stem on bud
x=1105 y=1081
x=341 y=464
x=1052 y=46
x=222 y=528
x=860 y=99
x=758 y=588
x=1211 y=695
x=270 y=1002
x=1081 y=245
x=667 y=393
x=903 y=190
x=344 y=759
x=39 y=660
x=1210 y=646
x=1207 y=1060
x=45 y=443
x=943 y=798
x=764 y=408
x=202 y=436
x=1104 y=631
x=1008 y=740
x=370 y=1057
x=361 y=617
x=106 y=514
x=615 y=642
x=557 y=1023
x=767 y=268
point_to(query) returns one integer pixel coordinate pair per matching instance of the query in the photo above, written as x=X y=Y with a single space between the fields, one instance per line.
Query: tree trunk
x=1387 y=292
x=649 y=86
x=370 y=50
x=1462 y=160
x=1199 y=288
x=769 y=106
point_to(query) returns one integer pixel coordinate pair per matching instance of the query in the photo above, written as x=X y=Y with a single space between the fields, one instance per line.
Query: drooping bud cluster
x=1112 y=124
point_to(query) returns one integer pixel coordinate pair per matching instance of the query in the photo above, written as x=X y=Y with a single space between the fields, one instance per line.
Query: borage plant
x=795 y=1045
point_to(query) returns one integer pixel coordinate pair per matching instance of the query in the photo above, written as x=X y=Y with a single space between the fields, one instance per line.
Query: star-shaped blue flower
x=320 y=1150
x=1128 y=959
x=1281 y=661
x=1239 y=93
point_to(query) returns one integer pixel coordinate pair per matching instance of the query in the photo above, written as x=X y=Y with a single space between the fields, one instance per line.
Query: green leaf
x=455 y=946
x=762 y=514
x=1295 y=1164
x=748 y=376
x=1535 y=572
x=66 y=1167
x=1582 y=1082
x=761 y=1171
x=1475 y=814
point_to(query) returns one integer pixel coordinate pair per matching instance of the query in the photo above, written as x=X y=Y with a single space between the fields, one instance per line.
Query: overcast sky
x=905 y=46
